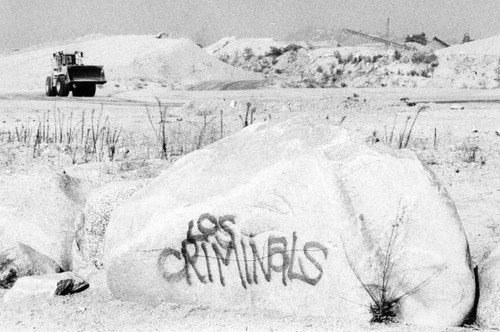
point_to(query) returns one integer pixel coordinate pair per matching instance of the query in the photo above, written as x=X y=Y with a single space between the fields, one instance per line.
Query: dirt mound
x=471 y=65
x=487 y=46
x=138 y=58
x=227 y=47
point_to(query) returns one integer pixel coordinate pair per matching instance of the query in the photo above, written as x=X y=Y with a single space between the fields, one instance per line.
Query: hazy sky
x=28 y=22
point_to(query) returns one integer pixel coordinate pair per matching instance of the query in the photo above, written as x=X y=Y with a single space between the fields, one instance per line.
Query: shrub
x=325 y=78
x=248 y=53
x=292 y=48
x=338 y=56
x=319 y=69
x=275 y=52
x=422 y=57
x=224 y=58
x=397 y=55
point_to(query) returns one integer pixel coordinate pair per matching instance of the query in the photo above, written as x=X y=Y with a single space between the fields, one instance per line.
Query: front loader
x=70 y=74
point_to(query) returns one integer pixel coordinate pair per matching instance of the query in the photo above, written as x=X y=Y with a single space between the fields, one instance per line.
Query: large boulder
x=36 y=224
x=488 y=307
x=300 y=216
x=100 y=204
x=22 y=260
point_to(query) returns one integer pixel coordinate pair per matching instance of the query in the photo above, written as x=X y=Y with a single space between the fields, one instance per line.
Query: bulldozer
x=70 y=74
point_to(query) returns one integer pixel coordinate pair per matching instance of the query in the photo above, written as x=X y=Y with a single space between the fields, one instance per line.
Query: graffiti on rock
x=214 y=245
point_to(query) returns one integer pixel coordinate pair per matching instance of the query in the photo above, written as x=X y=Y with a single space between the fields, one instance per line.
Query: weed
x=404 y=137
x=471 y=153
x=161 y=132
x=250 y=111
x=384 y=292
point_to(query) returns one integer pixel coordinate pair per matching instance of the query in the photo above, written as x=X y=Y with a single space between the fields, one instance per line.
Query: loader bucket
x=86 y=74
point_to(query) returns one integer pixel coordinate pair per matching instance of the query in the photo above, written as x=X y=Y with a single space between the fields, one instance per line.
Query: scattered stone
x=300 y=216
x=47 y=285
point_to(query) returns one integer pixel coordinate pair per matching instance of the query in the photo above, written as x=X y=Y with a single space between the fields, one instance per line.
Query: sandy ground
x=462 y=119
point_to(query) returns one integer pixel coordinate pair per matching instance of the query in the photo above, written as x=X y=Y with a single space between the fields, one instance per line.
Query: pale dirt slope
x=487 y=46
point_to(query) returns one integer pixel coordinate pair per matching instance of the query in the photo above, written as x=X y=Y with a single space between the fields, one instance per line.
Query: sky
x=25 y=23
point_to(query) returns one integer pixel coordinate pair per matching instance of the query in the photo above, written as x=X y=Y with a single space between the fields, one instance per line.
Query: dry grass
x=399 y=140
x=85 y=139
x=92 y=137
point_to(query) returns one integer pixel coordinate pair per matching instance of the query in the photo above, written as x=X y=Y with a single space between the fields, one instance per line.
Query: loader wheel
x=49 y=89
x=78 y=91
x=61 y=87
x=89 y=90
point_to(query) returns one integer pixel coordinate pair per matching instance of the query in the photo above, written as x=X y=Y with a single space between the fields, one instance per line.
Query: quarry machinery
x=70 y=74
x=417 y=38
x=442 y=43
x=375 y=39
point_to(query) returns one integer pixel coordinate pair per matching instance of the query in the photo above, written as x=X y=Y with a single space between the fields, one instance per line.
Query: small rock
x=456 y=107
x=47 y=285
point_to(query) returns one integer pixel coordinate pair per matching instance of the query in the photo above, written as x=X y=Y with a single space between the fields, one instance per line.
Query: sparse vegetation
x=385 y=294
x=161 y=131
x=274 y=52
x=401 y=140
x=84 y=140
x=470 y=152
x=249 y=115
x=424 y=57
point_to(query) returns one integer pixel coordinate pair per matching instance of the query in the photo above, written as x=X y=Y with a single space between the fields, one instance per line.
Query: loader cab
x=65 y=59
